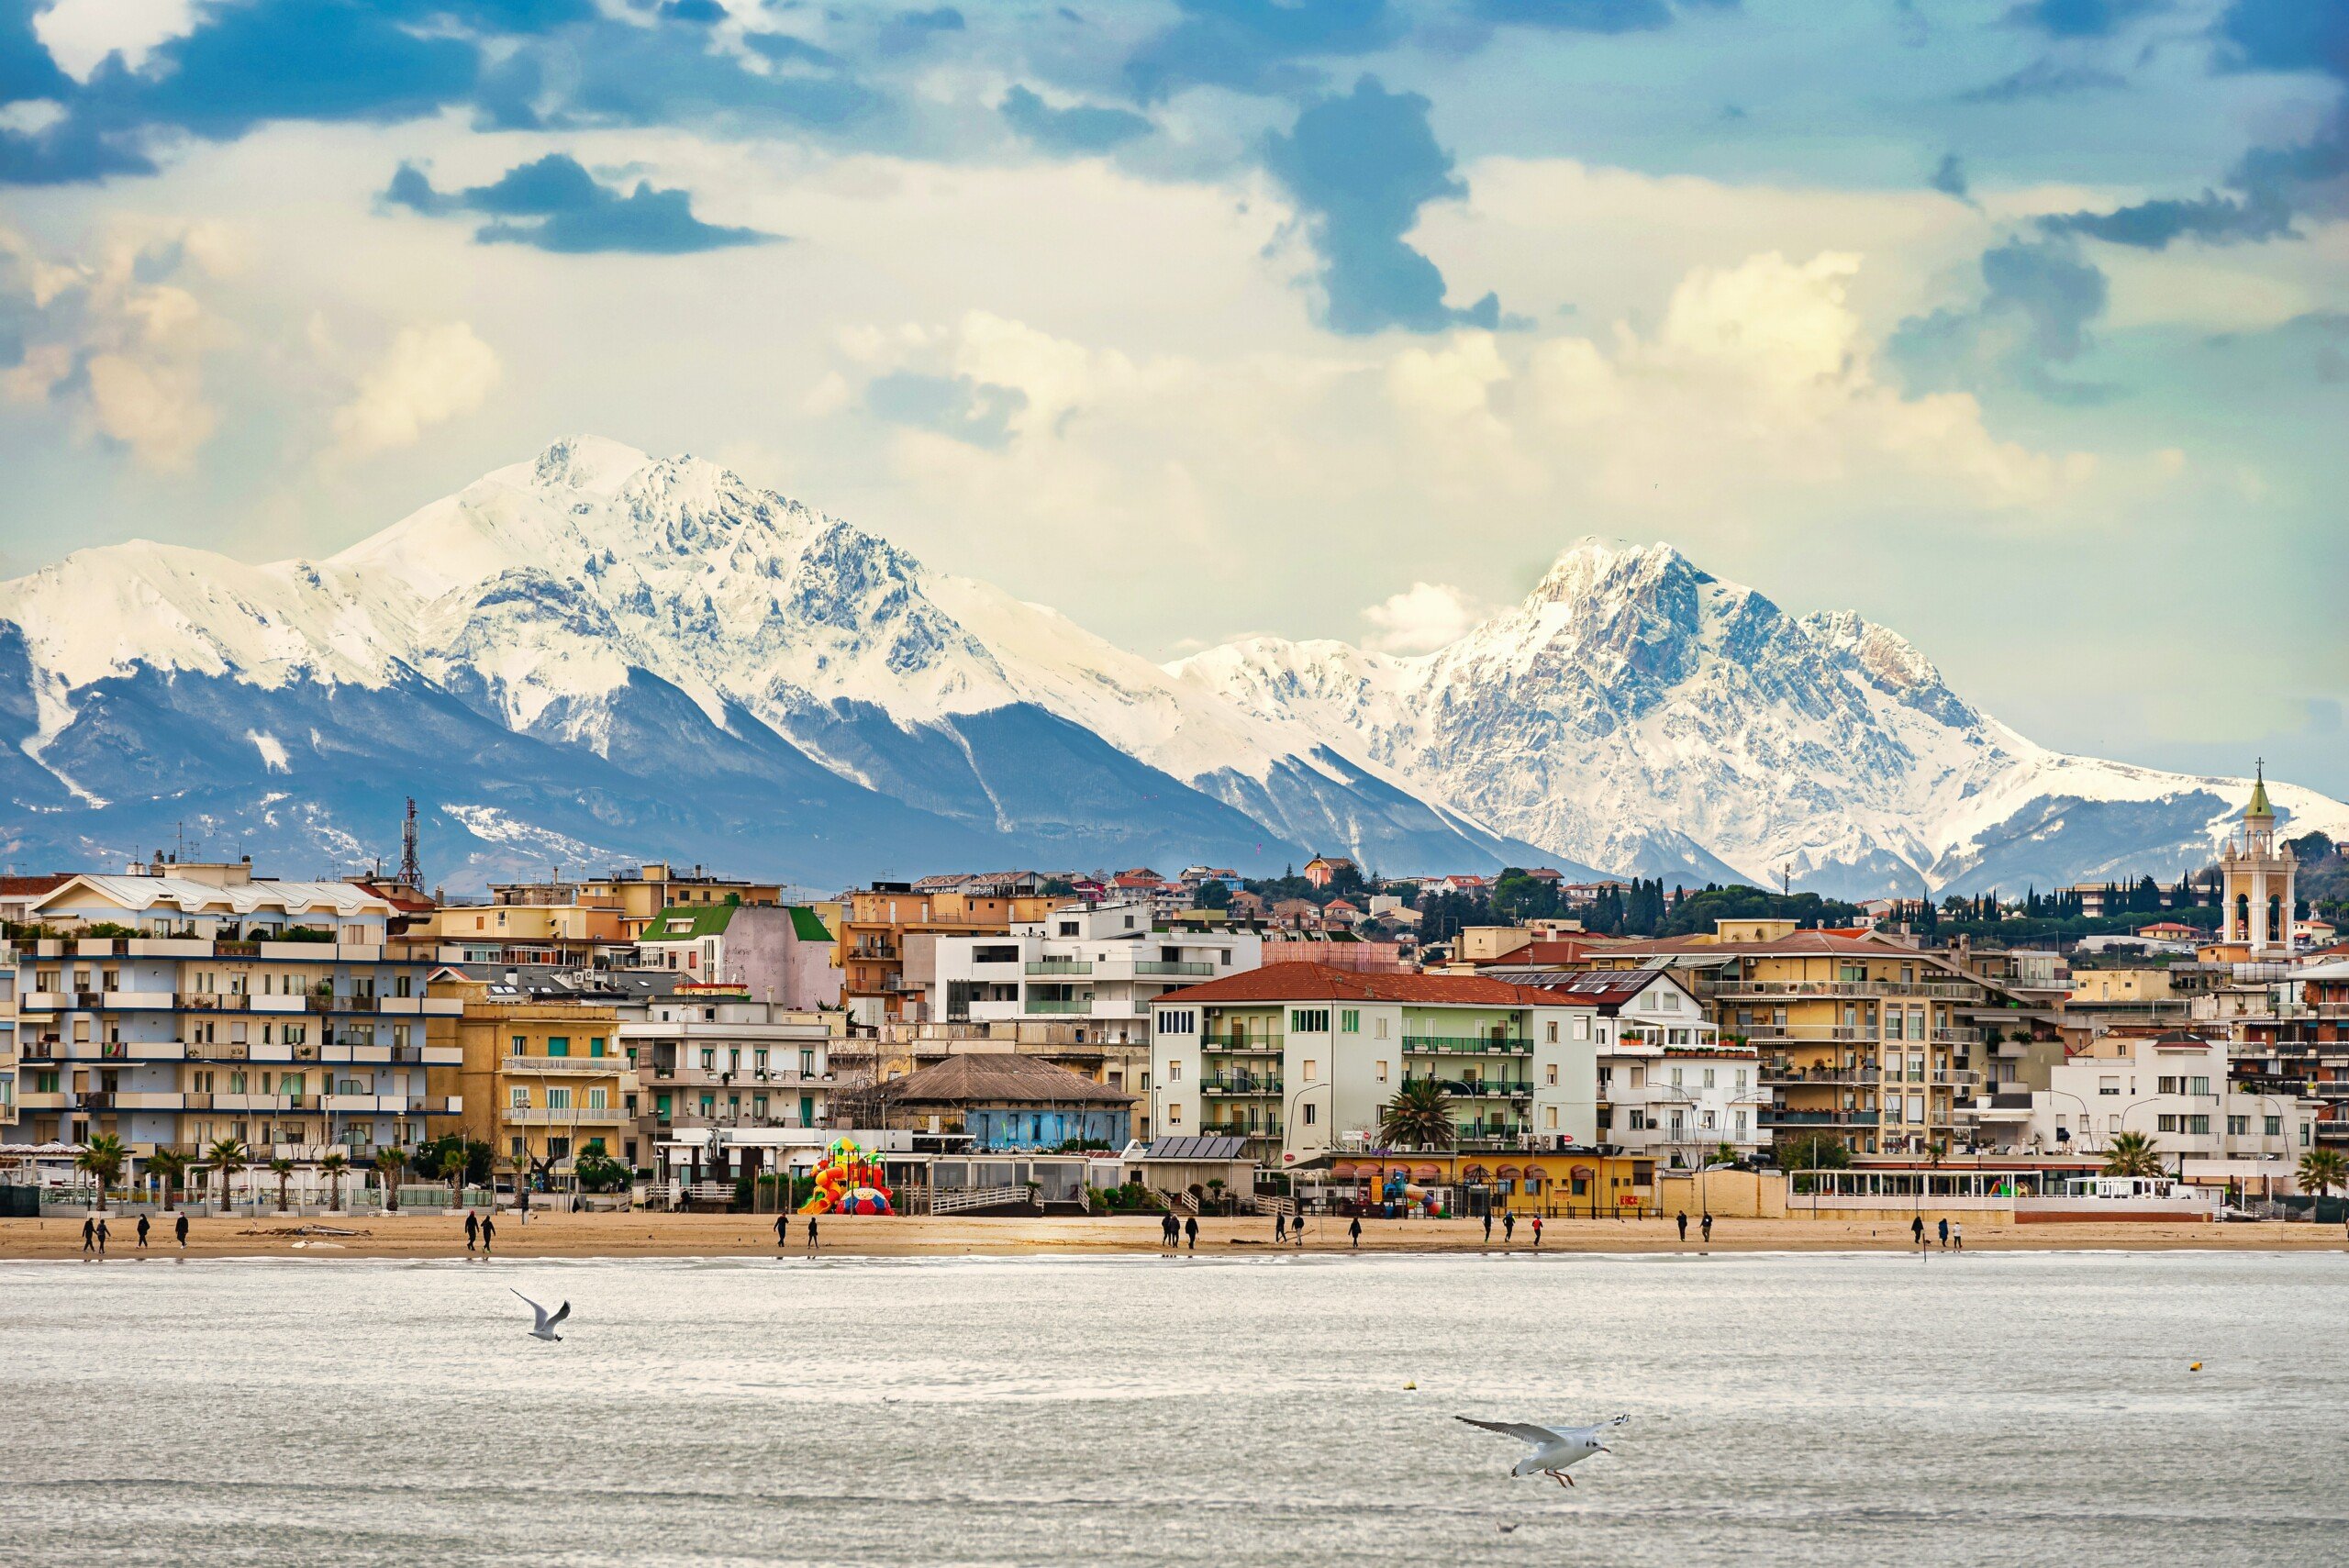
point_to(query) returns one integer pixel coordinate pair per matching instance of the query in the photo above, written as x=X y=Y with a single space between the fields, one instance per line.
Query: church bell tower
x=2258 y=874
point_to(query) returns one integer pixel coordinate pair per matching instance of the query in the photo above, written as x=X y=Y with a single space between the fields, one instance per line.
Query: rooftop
x=1322 y=982
x=989 y=1078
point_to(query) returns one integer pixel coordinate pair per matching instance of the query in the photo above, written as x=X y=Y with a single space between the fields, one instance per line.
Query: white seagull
x=1554 y=1448
x=545 y=1328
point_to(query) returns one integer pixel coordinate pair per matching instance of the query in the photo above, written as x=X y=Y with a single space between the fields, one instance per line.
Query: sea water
x=1224 y=1411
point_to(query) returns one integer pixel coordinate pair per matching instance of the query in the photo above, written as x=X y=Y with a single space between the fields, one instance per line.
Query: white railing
x=957 y=1199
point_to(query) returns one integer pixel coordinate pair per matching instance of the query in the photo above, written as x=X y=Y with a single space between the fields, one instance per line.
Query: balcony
x=1241 y=1045
x=1049 y=1004
x=1781 y=1116
x=1467 y=1045
x=1168 y=966
x=1942 y=990
x=1240 y=1084
x=1781 y=1072
x=1060 y=966
x=1477 y=1088
x=564 y=1115
x=562 y=1064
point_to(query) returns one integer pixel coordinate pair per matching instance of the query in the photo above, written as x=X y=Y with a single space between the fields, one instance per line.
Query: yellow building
x=545 y=1081
x=1876 y=1044
x=2121 y=986
x=564 y=933
x=641 y=895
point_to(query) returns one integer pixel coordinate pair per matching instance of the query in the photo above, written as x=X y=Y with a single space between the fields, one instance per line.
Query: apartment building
x=1098 y=968
x=1882 y=1046
x=711 y=1056
x=2176 y=1089
x=1300 y=1059
x=641 y=894
x=887 y=940
x=779 y=954
x=1670 y=1088
x=555 y=931
x=2300 y=1046
x=542 y=1079
x=173 y=1010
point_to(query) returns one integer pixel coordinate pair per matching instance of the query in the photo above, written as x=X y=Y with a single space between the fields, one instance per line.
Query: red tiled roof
x=33 y=886
x=1320 y=983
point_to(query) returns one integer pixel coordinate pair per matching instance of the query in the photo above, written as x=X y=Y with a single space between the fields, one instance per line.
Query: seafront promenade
x=725 y=1235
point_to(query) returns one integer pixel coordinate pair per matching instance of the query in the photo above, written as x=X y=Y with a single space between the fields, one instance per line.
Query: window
x=1582 y=1027
x=2169 y=1085
x=1178 y=1020
x=1550 y=1117
x=1174 y=1116
x=558 y=1098
x=2238 y=1126
x=1675 y=1078
x=518 y=1046
x=2275 y=1126
x=1550 y=1032
x=1309 y=1021
x=1312 y=1113
x=1173 y=1072
x=2198 y=1086
x=1379 y=1071
x=1668 y=1000
x=1549 y=1074
x=518 y=1097
x=558 y=1045
x=709 y=1060
x=1382 y=1029
x=1709 y=1078
x=596 y=1045
x=1312 y=1070
x=2108 y=1087
x=598 y=1098
x=1350 y=1021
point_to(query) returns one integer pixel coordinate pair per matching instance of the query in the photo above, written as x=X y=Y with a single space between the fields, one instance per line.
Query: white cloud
x=1422 y=618
x=80 y=34
x=431 y=375
x=119 y=340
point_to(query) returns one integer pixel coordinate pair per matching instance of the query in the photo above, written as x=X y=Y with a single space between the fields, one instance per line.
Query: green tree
x=103 y=1158
x=1419 y=1116
x=2131 y=1154
x=1814 y=1152
x=282 y=1169
x=2321 y=1170
x=227 y=1156
x=1212 y=894
x=388 y=1162
x=172 y=1165
x=334 y=1163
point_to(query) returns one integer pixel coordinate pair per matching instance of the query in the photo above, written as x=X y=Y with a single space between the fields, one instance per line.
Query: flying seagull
x=1554 y=1448
x=545 y=1328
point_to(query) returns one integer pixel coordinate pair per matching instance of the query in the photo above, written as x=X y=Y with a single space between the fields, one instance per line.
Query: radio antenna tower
x=411 y=868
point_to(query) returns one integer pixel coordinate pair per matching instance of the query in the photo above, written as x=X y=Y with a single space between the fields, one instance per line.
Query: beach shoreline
x=657 y=1235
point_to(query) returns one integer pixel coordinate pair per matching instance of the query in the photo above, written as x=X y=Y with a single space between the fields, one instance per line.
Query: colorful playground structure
x=848 y=1181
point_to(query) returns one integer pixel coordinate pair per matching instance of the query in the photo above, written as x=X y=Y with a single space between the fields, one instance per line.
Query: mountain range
x=596 y=657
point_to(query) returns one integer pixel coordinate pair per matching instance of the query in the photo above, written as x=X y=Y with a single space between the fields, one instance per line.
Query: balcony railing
x=1169 y=966
x=1242 y=1044
x=1240 y=1084
x=1049 y=1004
x=1467 y=1045
x=1779 y=1116
x=1060 y=966
x=1477 y=1088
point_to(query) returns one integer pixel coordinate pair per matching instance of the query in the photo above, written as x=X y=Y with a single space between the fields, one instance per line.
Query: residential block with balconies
x=709 y=1057
x=887 y=940
x=2175 y=1089
x=540 y=1080
x=174 y=1009
x=1300 y=1059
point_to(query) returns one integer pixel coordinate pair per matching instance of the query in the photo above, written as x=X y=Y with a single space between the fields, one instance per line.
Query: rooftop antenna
x=411 y=868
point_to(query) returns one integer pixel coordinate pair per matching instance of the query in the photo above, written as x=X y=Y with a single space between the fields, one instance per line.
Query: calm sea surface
x=1975 y=1411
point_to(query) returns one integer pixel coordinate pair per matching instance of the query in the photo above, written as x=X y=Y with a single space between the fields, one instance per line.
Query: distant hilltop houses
x=1568 y=1045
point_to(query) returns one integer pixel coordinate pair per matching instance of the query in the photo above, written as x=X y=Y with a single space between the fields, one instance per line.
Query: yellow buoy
x=1412 y=1386
x=2196 y=1367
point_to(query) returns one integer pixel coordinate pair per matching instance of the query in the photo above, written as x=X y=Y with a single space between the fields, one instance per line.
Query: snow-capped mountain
x=595 y=655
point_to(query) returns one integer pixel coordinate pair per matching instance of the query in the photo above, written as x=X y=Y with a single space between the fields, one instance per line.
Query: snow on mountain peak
x=594 y=463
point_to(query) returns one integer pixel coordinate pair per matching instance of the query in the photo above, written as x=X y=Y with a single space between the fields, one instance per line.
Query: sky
x=2019 y=327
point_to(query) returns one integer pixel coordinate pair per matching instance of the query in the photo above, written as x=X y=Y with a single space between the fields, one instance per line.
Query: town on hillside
x=204 y=1036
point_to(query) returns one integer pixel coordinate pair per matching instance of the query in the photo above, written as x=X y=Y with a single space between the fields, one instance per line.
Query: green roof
x=2259 y=807
x=806 y=927
x=699 y=920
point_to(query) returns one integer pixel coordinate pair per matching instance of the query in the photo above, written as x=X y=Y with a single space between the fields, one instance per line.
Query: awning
x=1584 y=1174
x=1426 y=1172
x=1473 y=1173
x=1505 y=1172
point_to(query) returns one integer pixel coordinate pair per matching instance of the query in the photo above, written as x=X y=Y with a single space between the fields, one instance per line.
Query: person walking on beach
x=1917 y=1229
x=1508 y=1228
x=782 y=1230
x=1957 y=1237
x=1489 y=1228
x=1944 y=1229
x=89 y=1235
x=488 y=1232
x=473 y=1229
x=1191 y=1233
x=811 y=1232
x=102 y=1238
x=1354 y=1232
x=1705 y=1229
x=1684 y=1223
x=179 y=1230
x=143 y=1232
x=1280 y=1227
x=1537 y=1232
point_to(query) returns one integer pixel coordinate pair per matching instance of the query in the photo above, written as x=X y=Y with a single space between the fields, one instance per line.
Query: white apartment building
x=708 y=1056
x=1300 y=1059
x=2174 y=1088
x=173 y=1010
x=1668 y=1088
x=1099 y=966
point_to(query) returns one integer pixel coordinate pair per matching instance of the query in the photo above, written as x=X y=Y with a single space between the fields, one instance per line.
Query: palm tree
x=172 y=1165
x=388 y=1166
x=2131 y=1154
x=452 y=1165
x=2321 y=1170
x=227 y=1156
x=333 y=1165
x=103 y=1157
x=1419 y=1116
x=282 y=1169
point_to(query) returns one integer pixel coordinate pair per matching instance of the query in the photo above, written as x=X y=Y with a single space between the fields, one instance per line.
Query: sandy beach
x=721 y=1235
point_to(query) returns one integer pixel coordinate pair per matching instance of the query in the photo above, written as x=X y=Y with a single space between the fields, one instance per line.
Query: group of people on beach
x=1953 y=1236
x=783 y=1231
x=94 y=1234
x=1508 y=1229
